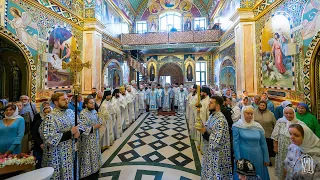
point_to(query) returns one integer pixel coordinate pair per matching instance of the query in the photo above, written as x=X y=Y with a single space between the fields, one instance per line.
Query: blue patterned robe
x=56 y=154
x=167 y=97
x=153 y=100
x=89 y=152
x=216 y=161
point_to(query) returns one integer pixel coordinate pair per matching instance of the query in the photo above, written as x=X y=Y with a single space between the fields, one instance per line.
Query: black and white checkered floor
x=156 y=147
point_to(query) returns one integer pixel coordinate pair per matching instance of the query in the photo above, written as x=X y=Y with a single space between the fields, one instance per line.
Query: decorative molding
x=111 y=41
x=227 y=36
x=62 y=11
x=32 y=70
x=164 y=46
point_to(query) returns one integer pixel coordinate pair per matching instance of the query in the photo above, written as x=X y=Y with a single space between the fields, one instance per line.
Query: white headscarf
x=293 y=121
x=15 y=114
x=284 y=104
x=242 y=123
x=310 y=143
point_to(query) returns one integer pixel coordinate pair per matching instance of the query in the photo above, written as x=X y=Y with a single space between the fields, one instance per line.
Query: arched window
x=170 y=21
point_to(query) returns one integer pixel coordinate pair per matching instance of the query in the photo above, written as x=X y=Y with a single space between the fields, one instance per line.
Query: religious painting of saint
x=153 y=23
x=169 y=4
x=59 y=50
x=15 y=77
x=227 y=77
x=185 y=6
x=116 y=79
x=152 y=72
x=310 y=22
x=22 y=25
x=154 y=8
x=187 y=20
x=276 y=61
x=189 y=72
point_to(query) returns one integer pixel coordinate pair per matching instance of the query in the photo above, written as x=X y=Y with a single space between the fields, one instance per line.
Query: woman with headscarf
x=281 y=138
x=3 y=104
x=267 y=120
x=304 y=115
x=12 y=131
x=249 y=142
x=278 y=112
x=38 y=142
x=303 y=158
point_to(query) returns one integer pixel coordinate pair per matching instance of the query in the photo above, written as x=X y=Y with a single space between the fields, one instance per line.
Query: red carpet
x=165 y=113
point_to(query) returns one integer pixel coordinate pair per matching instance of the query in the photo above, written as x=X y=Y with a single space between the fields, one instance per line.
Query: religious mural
x=22 y=24
x=154 y=8
x=2 y=10
x=185 y=5
x=276 y=53
x=227 y=10
x=153 y=23
x=187 y=19
x=228 y=77
x=126 y=71
x=310 y=21
x=169 y=4
x=59 y=50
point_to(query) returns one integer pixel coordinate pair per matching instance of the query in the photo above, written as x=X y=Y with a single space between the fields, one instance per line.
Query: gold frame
x=6 y=34
x=313 y=84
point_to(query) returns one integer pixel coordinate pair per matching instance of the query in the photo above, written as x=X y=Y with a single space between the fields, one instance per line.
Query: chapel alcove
x=173 y=70
x=14 y=72
x=112 y=74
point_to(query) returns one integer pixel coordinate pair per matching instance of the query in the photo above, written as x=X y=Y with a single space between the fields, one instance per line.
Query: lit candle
x=198 y=89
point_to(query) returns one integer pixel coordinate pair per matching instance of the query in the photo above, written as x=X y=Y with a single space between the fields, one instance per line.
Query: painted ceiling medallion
x=154 y=8
x=185 y=6
x=169 y=4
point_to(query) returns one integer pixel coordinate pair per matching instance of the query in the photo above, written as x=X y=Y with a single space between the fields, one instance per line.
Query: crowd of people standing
x=238 y=137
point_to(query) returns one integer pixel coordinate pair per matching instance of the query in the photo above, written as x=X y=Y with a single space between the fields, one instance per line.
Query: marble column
x=92 y=51
x=246 y=67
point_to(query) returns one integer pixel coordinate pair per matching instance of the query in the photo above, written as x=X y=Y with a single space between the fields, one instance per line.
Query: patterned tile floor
x=154 y=147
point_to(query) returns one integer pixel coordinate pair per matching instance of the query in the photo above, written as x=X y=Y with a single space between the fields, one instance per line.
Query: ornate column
x=246 y=73
x=92 y=51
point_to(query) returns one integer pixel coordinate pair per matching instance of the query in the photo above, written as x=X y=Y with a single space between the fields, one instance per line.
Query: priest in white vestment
x=142 y=100
x=124 y=108
x=106 y=112
x=175 y=90
x=192 y=111
x=204 y=111
x=182 y=96
x=130 y=96
x=115 y=101
x=160 y=94
x=135 y=91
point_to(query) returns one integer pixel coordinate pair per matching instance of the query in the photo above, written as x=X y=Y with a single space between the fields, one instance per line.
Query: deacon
x=130 y=96
x=182 y=95
x=89 y=151
x=216 y=161
x=117 y=115
x=167 y=98
x=124 y=108
x=152 y=100
x=58 y=131
x=106 y=112
x=142 y=100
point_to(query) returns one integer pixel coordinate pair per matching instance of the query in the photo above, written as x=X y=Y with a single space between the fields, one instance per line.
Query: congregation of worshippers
x=238 y=137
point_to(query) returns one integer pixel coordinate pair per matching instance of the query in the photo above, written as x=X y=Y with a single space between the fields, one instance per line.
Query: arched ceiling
x=137 y=7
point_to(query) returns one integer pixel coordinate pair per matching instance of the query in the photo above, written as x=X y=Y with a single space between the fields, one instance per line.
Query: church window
x=141 y=26
x=201 y=73
x=170 y=21
x=200 y=23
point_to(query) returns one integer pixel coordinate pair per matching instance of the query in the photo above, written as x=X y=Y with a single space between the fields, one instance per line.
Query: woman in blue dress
x=249 y=143
x=12 y=131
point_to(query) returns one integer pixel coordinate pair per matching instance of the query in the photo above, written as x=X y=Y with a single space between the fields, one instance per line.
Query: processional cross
x=76 y=67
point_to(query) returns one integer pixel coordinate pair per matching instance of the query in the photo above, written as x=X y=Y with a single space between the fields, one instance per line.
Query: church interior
x=234 y=48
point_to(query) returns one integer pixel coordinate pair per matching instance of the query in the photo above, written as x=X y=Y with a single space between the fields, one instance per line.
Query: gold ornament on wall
x=185 y=6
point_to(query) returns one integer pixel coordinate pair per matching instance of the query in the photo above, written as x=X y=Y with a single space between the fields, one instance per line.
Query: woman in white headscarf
x=303 y=158
x=12 y=131
x=281 y=138
x=249 y=142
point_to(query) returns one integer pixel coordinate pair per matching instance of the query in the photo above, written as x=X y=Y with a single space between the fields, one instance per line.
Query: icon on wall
x=154 y=8
x=169 y=4
x=185 y=6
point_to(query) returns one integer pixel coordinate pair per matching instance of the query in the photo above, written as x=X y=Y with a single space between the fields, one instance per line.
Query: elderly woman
x=249 y=142
x=267 y=120
x=281 y=138
x=12 y=131
x=304 y=148
x=304 y=115
x=278 y=113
